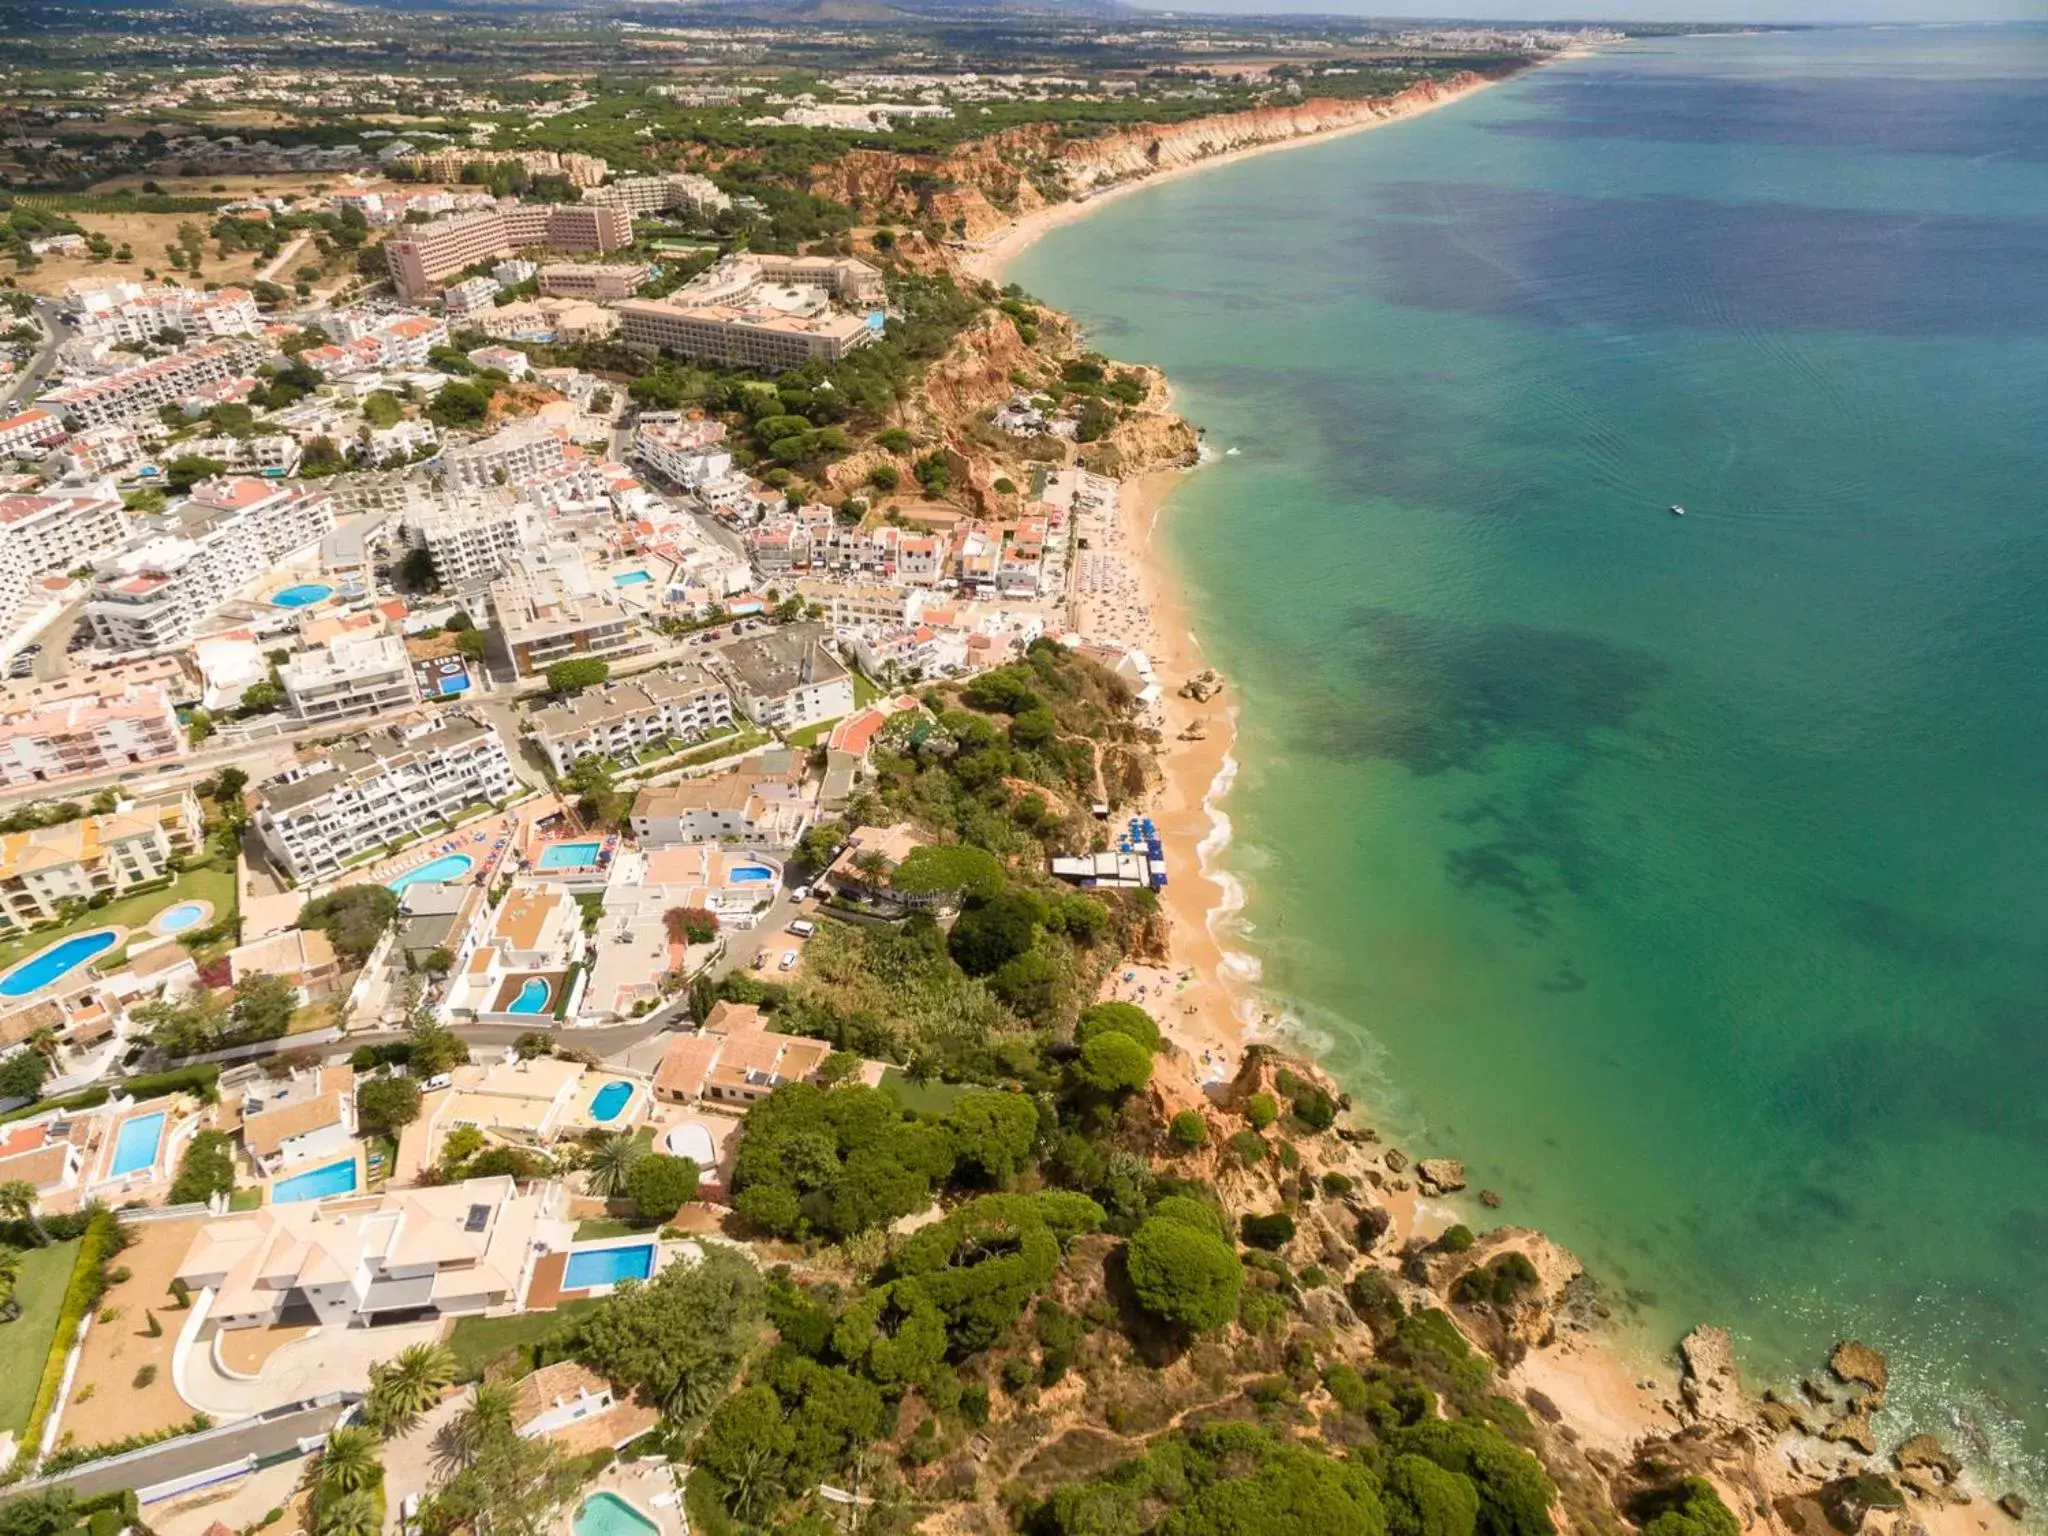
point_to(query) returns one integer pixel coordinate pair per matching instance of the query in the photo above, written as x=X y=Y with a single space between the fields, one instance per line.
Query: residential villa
x=650 y=881
x=520 y=965
x=577 y=1409
x=310 y=1115
x=736 y=1059
x=747 y=804
x=454 y=1250
x=36 y=1154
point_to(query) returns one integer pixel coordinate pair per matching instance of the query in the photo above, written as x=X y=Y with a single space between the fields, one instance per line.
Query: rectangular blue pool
x=592 y=1267
x=135 y=1146
x=316 y=1184
x=568 y=855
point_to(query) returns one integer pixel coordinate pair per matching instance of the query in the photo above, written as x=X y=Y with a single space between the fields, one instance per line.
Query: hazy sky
x=1652 y=10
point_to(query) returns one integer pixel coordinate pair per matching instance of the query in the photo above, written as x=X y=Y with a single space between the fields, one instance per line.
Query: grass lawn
x=811 y=735
x=247 y=1197
x=609 y=1226
x=724 y=746
x=866 y=690
x=134 y=912
x=932 y=1098
x=25 y=1342
x=477 y=1341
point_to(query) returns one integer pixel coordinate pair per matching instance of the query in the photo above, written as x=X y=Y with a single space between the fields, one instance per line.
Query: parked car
x=787 y=962
x=803 y=927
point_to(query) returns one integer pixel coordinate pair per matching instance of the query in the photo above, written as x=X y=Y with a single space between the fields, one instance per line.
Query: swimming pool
x=609 y=1100
x=177 y=919
x=135 y=1147
x=631 y=579
x=568 y=855
x=450 y=866
x=749 y=874
x=304 y=595
x=592 y=1267
x=58 y=960
x=606 y=1514
x=316 y=1184
x=533 y=996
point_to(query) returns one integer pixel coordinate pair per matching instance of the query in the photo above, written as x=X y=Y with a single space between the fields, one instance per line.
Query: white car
x=800 y=895
x=787 y=962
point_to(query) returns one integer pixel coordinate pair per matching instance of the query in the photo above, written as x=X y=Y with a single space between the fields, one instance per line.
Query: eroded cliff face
x=993 y=180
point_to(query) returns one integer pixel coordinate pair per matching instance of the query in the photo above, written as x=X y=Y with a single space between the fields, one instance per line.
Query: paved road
x=194 y=1453
x=31 y=378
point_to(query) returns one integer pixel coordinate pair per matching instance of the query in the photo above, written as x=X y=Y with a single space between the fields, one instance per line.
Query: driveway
x=336 y=1359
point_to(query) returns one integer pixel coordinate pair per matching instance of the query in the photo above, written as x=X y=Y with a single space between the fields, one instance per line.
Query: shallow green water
x=1686 y=876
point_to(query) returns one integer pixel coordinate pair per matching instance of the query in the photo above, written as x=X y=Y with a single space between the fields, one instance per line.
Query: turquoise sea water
x=1686 y=876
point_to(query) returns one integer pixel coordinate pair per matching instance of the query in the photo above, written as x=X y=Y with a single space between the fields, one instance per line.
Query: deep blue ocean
x=1686 y=876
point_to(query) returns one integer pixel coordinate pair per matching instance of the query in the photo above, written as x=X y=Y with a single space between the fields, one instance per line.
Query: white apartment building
x=681 y=703
x=100 y=451
x=521 y=452
x=350 y=675
x=53 y=533
x=469 y=296
x=135 y=312
x=471 y=534
x=788 y=678
x=142 y=390
x=275 y=454
x=26 y=434
x=691 y=453
x=232 y=530
x=339 y=804
x=94 y=725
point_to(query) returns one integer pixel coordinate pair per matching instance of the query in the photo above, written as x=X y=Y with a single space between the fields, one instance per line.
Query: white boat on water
x=1677 y=510
x=1230 y=453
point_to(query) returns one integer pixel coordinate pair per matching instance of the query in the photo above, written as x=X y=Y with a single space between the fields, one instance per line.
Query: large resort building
x=420 y=257
x=762 y=311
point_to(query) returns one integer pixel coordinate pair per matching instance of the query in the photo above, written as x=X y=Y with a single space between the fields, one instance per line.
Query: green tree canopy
x=679 y=1338
x=353 y=918
x=1124 y=1019
x=662 y=1185
x=992 y=1133
x=1112 y=1062
x=1183 y=1274
x=577 y=673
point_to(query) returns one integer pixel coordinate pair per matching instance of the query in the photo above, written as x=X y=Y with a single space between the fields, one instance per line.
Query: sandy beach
x=987 y=259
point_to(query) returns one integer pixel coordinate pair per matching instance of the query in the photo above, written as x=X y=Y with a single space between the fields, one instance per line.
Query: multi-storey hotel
x=593 y=280
x=747 y=338
x=339 y=804
x=677 y=192
x=144 y=389
x=421 y=256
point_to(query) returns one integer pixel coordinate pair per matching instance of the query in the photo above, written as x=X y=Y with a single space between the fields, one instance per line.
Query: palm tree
x=352 y=1514
x=407 y=1385
x=611 y=1160
x=349 y=1461
x=43 y=1042
x=462 y=1438
x=18 y=1203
